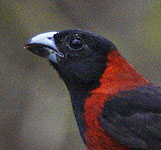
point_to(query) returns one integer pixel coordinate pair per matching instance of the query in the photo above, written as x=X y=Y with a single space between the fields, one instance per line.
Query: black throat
x=79 y=93
x=79 y=88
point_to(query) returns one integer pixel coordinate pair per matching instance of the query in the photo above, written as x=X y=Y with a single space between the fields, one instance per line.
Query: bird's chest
x=95 y=135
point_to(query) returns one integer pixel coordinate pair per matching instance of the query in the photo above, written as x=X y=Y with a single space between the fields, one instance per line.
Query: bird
x=115 y=107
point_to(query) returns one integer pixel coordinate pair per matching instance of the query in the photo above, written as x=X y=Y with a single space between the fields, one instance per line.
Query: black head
x=80 y=57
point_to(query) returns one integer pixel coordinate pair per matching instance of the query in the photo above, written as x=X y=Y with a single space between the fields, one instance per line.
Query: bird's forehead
x=71 y=33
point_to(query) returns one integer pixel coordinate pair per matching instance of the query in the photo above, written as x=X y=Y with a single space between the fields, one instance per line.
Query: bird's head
x=78 y=56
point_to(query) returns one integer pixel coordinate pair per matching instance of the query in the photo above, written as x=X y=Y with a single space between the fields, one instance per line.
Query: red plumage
x=118 y=76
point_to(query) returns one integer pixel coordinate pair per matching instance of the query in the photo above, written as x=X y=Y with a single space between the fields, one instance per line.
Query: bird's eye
x=76 y=43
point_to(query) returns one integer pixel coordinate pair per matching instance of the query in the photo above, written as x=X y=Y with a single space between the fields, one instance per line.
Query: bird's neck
x=119 y=75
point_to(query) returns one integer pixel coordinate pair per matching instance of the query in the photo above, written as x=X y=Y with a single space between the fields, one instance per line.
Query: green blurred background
x=35 y=108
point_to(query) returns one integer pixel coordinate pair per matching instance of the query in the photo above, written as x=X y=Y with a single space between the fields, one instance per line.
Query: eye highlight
x=76 y=43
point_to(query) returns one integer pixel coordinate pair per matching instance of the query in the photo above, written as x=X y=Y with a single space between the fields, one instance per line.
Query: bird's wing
x=133 y=118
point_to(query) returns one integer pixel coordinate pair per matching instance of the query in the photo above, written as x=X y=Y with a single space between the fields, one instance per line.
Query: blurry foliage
x=36 y=112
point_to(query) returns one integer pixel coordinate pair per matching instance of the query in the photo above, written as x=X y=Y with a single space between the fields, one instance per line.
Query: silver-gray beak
x=44 y=45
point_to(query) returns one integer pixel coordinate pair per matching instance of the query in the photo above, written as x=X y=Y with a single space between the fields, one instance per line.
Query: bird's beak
x=44 y=45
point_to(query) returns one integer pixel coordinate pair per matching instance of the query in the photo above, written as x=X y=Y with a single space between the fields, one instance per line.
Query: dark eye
x=76 y=43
